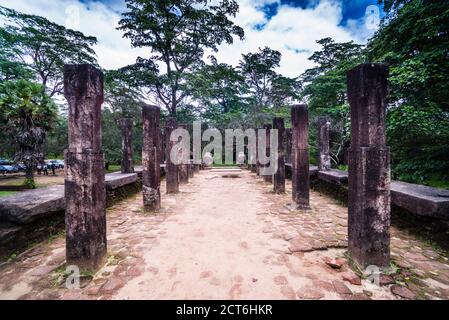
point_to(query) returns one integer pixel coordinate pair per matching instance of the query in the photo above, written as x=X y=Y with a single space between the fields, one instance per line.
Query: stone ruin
x=85 y=196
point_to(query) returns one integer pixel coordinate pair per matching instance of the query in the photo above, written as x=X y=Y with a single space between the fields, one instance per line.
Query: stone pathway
x=228 y=238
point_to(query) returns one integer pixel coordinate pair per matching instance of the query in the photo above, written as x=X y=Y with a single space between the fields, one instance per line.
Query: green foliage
x=177 y=32
x=43 y=47
x=24 y=103
x=57 y=140
x=10 y=69
x=27 y=114
x=414 y=41
x=219 y=89
x=121 y=95
x=29 y=182
x=112 y=138
x=418 y=138
x=269 y=92
x=7 y=193
x=324 y=87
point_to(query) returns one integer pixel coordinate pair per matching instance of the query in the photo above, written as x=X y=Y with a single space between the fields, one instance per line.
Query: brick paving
x=224 y=238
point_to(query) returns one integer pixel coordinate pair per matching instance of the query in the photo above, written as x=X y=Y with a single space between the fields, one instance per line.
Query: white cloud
x=293 y=31
x=95 y=19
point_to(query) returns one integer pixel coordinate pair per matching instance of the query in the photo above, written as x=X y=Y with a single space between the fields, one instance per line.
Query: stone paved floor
x=228 y=238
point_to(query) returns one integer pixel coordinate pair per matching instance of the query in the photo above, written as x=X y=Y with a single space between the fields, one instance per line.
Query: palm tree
x=27 y=114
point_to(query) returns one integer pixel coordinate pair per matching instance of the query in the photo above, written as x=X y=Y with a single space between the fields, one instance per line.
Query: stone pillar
x=268 y=127
x=288 y=145
x=257 y=166
x=183 y=167
x=191 y=170
x=369 y=167
x=126 y=126
x=171 y=169
x=324 y=159
x=162 y=147
x=151 y=173
x=300 y=156
x=279 y=177
x=85 y=195
x=196 y=168
x=253 y=168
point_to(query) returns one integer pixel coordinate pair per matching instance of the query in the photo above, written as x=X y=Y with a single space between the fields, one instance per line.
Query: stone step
x=226 y=170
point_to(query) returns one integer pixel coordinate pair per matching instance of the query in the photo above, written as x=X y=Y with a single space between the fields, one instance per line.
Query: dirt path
x=227 y=238
x=221 y=243
x=214 y=247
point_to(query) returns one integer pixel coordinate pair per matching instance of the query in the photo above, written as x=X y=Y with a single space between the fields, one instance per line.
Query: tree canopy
x=412 y=40
x=177 y=32
x=43 y=47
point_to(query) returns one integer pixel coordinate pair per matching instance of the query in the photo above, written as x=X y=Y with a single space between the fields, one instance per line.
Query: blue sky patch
x=352 y=9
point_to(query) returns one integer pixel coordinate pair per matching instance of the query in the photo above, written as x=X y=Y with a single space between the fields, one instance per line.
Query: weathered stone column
x=369 y=167
x=126 y=126
x=171 y=168
x=300 y=156
x=196 y=168
x=151 y=173
x=183 y=167
x=85 y=195
x=257 y=169
x=268 y=127
x=288 y=145
x=162 y=146
x=324 y=159
x=279 y=177
x=253 y=168
x=191 y=170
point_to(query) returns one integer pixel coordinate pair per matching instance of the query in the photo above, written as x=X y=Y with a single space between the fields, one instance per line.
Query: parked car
x=58 y=163
x=21 y=166
x=5 y=162
x=8 y=169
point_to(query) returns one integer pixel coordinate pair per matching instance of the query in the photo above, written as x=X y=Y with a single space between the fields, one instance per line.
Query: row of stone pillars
x=85 y=218
x=369 y=174
x=297 y=143
x=369 y=163
x=153 y=152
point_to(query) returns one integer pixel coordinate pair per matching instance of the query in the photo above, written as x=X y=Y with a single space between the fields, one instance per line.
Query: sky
x=289 y=26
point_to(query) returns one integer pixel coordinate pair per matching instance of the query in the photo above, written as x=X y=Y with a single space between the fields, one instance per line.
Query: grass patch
x=354 y=265
x=60 y=275
x=437 y=183
x=7 y=193
x=113 y=168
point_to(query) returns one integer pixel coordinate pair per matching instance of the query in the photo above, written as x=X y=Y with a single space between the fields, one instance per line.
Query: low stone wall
x=119 y=186
x=411 y=198
x=33 y=215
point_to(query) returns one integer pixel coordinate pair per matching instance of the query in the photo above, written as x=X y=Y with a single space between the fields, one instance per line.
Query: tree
x=414 y=41
x=258 y=70
x=177 y=32
x=44 y=47
x=220 y=88
x=122 y=99
x=27 y=114
x=57 y=139
x=268 y=90
x=324 y=88
x=283 y=91
x=10 y=69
